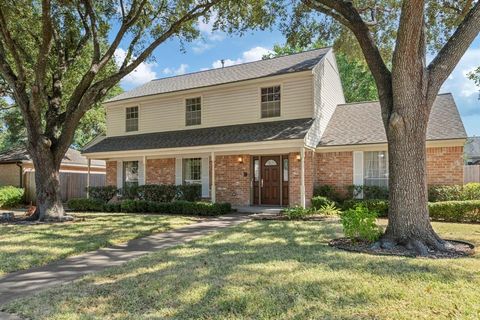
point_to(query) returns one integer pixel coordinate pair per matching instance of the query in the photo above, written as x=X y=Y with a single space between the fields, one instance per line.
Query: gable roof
x=72 y=157
x=251 y=132
x=252 y=70
x=361 y=123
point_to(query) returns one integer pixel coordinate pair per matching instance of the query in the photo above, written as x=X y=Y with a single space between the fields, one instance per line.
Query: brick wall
x=445 y=165
x=230 y=182
x=334 y=168
x=111 y=178
x=160 y=171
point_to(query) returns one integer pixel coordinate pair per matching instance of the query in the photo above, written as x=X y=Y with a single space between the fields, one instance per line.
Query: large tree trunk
x=408 y=217
x=47 y=181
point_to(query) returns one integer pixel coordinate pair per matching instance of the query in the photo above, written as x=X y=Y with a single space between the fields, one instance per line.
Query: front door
x=270 y=180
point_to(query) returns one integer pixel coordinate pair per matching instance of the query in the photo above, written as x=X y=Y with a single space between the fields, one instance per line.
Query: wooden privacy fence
x=471 y=174
x=72 y=184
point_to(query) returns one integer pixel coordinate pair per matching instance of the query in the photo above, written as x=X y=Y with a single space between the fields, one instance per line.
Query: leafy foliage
x=329 y=210
x=359 y=224
x=455 y=211
x=320 y=201
x=470 y=191
x=104 y=193
x=378 y=205
x=10 y=196
x=368 y=192
x=296 y=213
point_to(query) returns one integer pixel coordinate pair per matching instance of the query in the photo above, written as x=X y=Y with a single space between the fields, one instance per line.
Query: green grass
x=271 y=270
x=27 y=246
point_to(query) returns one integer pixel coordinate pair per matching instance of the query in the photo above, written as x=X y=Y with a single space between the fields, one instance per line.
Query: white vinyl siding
x=221 y=105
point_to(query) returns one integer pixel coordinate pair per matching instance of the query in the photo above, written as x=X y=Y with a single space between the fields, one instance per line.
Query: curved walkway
x=21 y=283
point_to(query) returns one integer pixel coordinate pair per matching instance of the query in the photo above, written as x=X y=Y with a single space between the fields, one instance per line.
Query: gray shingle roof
x=72 y=157
x=361 y=123
x=258 y=69
x=252 y=132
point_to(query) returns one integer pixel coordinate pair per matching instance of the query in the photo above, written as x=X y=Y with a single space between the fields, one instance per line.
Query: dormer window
x=131 y=122
x=193 y=114
x=270 y=102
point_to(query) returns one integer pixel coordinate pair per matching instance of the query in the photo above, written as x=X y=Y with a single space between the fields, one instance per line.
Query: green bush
x=102 y=193
x=455 y=211
x=189 y=192
x=329 y=210
x=320 y=201
x=129 y=192
x=470 y=191
x=112 y=207
x=327 y=191
x=10 y=196
x=368 y=192
x=297 y=212
x=359 y=224
x=378 y=205
x=157 y=192
x=83 y=204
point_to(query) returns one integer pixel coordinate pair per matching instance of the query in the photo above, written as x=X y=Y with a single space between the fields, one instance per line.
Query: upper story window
x=270 y=102
x=193 y=114
x=131 y=122
x=375 y=168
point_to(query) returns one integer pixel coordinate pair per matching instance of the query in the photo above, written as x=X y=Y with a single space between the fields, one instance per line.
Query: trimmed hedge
x=151 y=192
x=10 y=196
x=448 y=211
x=470 y=191
x=455 y=211
x=102 y=193
x=143 y=206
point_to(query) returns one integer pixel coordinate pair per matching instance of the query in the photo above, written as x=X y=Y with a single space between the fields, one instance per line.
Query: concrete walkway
x=22 y=283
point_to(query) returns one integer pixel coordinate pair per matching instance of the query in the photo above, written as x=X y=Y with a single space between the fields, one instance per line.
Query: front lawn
x=27 y=246
x=271 y=270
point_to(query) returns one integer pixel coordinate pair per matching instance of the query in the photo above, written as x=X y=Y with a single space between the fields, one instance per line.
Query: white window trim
x=185 y=110
x=125 y=119
x=259 y=99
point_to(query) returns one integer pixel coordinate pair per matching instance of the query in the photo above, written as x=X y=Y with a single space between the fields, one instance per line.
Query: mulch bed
x=460 y=249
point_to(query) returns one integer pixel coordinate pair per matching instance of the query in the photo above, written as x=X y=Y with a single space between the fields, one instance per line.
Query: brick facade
x=232 y=179
x=160 y=171
x=335 y=169
x=445 y=165
x=111 y=176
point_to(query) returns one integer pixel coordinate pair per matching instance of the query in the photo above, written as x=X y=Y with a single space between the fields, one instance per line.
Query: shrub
x=368 y=192
x=359 y=224
x=102 y=193
x=129 y=192
x=157 y=192
x=327 y=191
x=297 y=212
x=320 y=201
x=83 y=204
x=471 y=191
x=445 y=193
x=378 y=205
x=112 y=207
x=189 y=192
x=455 y=211
x=10 y=196
x=329 y=210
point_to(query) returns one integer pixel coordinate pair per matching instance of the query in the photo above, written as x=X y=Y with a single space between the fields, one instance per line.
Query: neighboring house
x=472 y=151
x=16 y=169
x=262 y=133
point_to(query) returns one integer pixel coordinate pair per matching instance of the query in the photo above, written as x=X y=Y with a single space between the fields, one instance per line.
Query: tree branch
x=451 y=53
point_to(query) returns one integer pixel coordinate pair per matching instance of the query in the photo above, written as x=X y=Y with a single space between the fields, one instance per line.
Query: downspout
x=20 y=166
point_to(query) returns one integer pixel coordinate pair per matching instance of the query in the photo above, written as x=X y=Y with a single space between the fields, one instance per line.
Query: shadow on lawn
x=256 y=270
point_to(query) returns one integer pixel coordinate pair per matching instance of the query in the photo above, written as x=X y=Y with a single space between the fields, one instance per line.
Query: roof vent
x=223 y=63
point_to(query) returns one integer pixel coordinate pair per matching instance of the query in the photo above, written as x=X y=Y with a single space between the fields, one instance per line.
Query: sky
x=207 y=52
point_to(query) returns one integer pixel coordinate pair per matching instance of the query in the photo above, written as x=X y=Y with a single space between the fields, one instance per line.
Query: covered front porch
x=274 y=173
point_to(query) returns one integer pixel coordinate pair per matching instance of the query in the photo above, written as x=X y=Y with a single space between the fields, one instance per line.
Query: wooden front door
x=270 y=180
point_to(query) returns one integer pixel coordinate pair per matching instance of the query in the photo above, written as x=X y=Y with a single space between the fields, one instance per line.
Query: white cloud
x=458 y=81
x=253 y=54
x=182 y=69
x=142 y=74
x=201 y=46
x=208 y=34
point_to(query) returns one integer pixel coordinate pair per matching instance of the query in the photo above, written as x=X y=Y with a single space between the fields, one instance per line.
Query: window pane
x=270 y=102
x=130 y=173
x=193 y=113
x=256 y=170
x=192 y=171
x=131 y=119
x=376 y=168
x=285 y=169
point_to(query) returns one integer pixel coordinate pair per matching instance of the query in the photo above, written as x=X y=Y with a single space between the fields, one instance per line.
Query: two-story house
x=261 y=133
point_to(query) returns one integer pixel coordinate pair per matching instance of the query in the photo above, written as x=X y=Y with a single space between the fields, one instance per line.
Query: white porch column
x=178 y=171
x=205 y=176
x=144 y=169
x=302 y=178
x=89 y=163
x=119 y=174
x=212 y=192
x=358 y=170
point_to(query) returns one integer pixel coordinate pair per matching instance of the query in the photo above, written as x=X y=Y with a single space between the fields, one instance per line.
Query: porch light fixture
x=298 y=157
x=240 y=160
